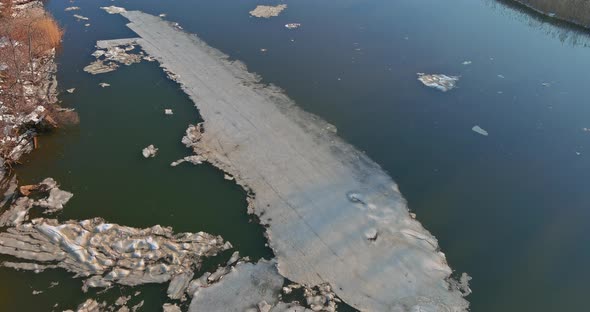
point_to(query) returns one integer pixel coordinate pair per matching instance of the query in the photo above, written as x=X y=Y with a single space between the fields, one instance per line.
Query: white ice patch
x=441 y=82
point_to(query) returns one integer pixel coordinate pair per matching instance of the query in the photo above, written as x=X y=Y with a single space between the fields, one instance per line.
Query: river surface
x=512 y=209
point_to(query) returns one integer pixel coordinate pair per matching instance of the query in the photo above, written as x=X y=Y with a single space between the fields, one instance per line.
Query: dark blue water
x=511 y=209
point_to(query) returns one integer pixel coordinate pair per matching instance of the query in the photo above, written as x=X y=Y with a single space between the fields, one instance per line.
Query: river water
x=511 y=209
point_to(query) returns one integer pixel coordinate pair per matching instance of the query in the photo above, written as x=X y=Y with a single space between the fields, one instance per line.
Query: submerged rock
x=441 y=82
x=266 y=11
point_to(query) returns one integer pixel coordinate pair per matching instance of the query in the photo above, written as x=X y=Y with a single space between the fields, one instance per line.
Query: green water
x=511 y=209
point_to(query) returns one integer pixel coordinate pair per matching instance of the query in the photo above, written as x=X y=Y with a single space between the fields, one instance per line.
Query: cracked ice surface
x=102 y=253
x=370 y=250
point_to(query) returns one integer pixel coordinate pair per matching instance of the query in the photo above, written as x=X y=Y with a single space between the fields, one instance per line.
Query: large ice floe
x=334 y=218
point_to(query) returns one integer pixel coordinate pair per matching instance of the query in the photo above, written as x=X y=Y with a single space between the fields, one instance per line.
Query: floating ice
x=113 y=9
x=266 y=11
x=479 y=130
x=292 y=25
x=149 y=151
x=441 y=82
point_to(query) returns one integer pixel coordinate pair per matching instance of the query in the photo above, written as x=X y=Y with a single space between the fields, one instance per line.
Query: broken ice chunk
x=479 y=130
x=441 y=82
x=149 y=151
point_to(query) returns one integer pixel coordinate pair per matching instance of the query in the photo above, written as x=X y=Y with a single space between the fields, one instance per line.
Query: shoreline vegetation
x=29 y=38
x=573 y=11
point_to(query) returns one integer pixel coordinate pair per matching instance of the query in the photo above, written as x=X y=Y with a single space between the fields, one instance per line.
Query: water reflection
x=565 y=32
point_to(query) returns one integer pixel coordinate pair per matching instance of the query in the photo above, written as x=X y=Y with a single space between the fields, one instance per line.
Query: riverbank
x=29 y=37
x=573 y=11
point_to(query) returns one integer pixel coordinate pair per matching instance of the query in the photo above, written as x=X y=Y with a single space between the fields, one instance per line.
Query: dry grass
x=47 y=31
x=577 y=11
x=42 y=33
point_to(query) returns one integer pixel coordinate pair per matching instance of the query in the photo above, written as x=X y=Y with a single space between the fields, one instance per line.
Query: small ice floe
x=114 y=9
x=267 y=11
x=70 y=91
x=168 y=111
x=292 y=25
x=546 y=84
x=479 y=130
x=194 y=159
x=441 y=82
x=86 y=25
x=578 y=153
x=104 y=84
x=80 y=17
x=263 y=50
x=72 y=8
x=501 y=76
x=162 y=15
x=586 y=129
x=467 y=63
x=149 y=151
